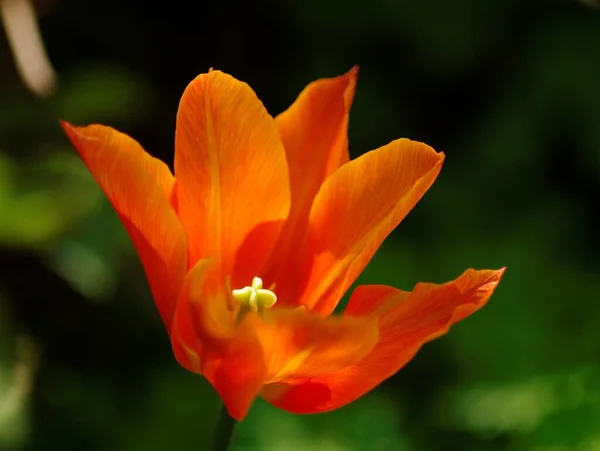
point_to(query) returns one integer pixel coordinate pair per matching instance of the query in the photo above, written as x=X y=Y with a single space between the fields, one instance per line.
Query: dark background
x=509 y=90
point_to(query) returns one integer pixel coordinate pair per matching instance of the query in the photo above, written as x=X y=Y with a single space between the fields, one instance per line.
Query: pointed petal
x=407 y=321
x=237 y=372
x=138 y=186
x=233 y=186
x=355 y=210
x=314 y=132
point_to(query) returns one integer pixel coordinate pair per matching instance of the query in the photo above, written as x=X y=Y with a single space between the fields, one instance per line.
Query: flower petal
x=139 y=186
x=205 y=340
x=314 y=132
x=407 y=321
x=355 y=210
x=236 y=370
x=299 y=344
x=205 y=305
x=280 y=344
x=185 y=338
x=233 y=186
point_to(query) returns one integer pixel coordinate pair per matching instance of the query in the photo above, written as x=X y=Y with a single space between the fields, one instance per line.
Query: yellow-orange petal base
x=279 y=199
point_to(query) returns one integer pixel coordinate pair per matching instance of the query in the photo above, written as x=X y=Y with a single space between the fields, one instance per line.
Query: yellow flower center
x=255 y=297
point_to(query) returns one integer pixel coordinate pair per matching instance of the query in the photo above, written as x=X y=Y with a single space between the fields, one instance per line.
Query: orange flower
x=264 y=227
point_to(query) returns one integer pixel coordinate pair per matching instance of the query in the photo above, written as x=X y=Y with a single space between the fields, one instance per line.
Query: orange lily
x=264 y=227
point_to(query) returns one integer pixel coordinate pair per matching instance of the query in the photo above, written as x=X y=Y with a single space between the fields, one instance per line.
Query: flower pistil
x=255 y=297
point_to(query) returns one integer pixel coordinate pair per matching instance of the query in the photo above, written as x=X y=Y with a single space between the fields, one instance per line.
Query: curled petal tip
x=499 y=274
x=74 y=132
x=66 y=126
x=352 y=77
x=353 y=72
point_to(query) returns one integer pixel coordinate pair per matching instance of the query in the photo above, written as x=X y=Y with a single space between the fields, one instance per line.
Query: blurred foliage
x=508 y=90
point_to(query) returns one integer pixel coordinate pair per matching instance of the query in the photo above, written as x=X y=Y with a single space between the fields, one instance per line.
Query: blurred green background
x=509 y=90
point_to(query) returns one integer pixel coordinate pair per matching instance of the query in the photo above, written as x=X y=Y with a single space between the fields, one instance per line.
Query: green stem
x=223 y=431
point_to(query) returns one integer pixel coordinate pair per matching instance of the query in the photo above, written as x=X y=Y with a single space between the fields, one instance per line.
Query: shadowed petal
x=205 y=340
x=280 y=344
x=237 y=373
x=355 y=210
x=314 y=132
x=233 y=186
x=407 y=321
x=185 y=337
x=139 y=186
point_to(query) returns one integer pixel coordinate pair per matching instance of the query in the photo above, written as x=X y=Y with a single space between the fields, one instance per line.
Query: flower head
x=263 y=227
